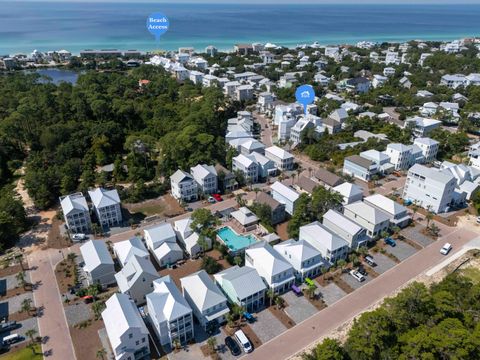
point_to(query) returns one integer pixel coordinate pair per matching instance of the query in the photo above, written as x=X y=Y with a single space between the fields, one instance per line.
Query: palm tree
x=429 y=215
x=97 y=308
x=271 y=296
x=310 y=290
x=19 y=258
x=279 y=302
x=212 y=344
x=21 y=279
x=238 y=311
x=26 y=305
x=203 y=243
x=101 y=353
x=176 y=343
x=342 y=263
x=237 y=260
x=31 y=334
x=230 y=320
x=256 y=190
x=71 y=257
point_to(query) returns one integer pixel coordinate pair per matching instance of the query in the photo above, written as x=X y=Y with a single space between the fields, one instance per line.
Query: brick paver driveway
x=331 y=293
x=402 y=250
x=299 y=308
x=354 y=283
x=383 y=262
x=303 y=335
x=267 y=326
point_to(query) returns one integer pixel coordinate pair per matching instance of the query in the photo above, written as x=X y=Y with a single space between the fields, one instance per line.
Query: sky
x=433 y=2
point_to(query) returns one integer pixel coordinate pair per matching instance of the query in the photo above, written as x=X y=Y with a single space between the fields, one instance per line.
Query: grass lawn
x=472 y=273
x=152 y=209
x=24 y=354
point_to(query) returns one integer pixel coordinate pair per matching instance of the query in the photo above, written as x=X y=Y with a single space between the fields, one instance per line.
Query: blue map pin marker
x=305 y=95
x=157 y=25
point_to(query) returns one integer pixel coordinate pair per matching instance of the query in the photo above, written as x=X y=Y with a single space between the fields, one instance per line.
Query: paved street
x=304 y=334
x=52 y=323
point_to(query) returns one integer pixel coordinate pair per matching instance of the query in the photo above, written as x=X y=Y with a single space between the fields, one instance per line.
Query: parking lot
x=299 y=308
x=401 y=251
x=331 y=293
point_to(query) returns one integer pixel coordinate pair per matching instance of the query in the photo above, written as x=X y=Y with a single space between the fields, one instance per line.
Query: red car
x=217 y=197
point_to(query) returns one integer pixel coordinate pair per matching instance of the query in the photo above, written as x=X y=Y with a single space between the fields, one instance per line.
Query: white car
x=359 y=277
x=79 y=237
x=446 y=249
x=211 y=200
x=478 y=219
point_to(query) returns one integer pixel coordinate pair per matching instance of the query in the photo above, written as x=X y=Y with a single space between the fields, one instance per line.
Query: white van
x=446 y=249
x=243 y=340
x=11 y=339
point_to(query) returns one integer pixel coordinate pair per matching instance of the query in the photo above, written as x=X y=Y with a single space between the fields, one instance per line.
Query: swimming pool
x=234 y=241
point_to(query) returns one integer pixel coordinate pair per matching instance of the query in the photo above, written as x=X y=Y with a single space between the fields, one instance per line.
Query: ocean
x=74 y=26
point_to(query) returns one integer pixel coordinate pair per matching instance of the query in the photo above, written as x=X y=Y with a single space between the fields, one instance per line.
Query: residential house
x=245 y=219
x=98 y=263
x=285 y=126
x=359 y=167
x=369 y=217
x=331 y=246
x=379 y=81
x=398 y=214
x=246 y=146
x=405 y=82
x=266 y=167
x=226 y=179
x=328 y=179
x=331 y=125
x=429 y=148
x=430 y=188
x=244 y=92
x=184 y=187
x=107 y=206
x=303 y=257
x=422 y=126
x=402 y=156
x=125 y=329
x=242 y=286
x=266 y=101
x=454 y=81
x=247 y=166
x=161 y=240
x=277 y=209
x=283 y=159
x=169 y=313
x=285 y=195
x=381 y=159
x=76 y=214
x=189 y=238
x=207 y=301
x=136 y=279
x=125 y=250
x=350 y=192
x=305 y=184
x=354 y=234
x=275 y=271
x=206 y=178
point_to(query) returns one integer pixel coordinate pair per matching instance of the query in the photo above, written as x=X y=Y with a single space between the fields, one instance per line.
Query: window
x=137 y=342
x=130 y=336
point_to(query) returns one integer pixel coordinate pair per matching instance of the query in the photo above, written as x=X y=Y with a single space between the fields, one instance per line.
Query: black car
x=362 y=270
x=232 y=346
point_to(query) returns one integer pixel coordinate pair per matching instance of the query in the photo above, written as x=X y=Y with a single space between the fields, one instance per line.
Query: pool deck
x=245 y=244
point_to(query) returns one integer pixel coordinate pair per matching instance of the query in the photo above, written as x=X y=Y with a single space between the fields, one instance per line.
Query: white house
x=206 y=178
x=75 y=212
x=136 y=279
x=207 y=301
x=184 y=187
x=242 y=286
x=106 y=204
x=369 y=217
x=429 y=148
x=125 y=250
x=285 y=195
x=304 y=258
x=454 y=81
x=351 y=192
x=125 y=329
x=330 y=245
x=379 y=81
x=277 y=273
x=161 y=241
x=247 y=166
x=283 y=159
x=398 y=214
x=422 y=126
x=169 y=313
x=98 y=268
x=430 y=188
x=189 y=238
x=354 y=234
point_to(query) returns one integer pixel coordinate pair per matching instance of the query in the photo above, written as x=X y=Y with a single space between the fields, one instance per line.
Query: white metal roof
x=367 y=212
x=73 y=202
x=285 y=191
x=279 y=152
x=102 y=198
x=202 y=290
x=386 y=204
x=245 y=281
x=267 y=260
x=95 y=253
x=167 y=301
x=128 y=248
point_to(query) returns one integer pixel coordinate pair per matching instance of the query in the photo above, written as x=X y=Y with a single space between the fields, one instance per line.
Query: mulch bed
x=317 y=302
x=16 y=291
x=11 y=270
x=19 y=316
x=282 y=317
x=411 y=243
x=63 y=281
x=208 y=353
x=370 y=271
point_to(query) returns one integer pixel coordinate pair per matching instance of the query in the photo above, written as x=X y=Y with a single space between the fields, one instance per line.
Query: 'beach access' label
x=157 y=24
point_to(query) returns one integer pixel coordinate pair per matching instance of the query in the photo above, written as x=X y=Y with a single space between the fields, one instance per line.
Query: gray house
x=107 y=206
x=372 y=219
x=359 y=167
x=348 y=230
x=76 y=213
x=278 y=209
x=98 y=268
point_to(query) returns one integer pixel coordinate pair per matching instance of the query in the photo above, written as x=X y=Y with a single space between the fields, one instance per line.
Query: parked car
x=211 y=200
x=217 y=197
x=11 y=339
x=362 y=270
x=7 y=325
x=370 y=260
x=359 y=277
x=297 y=290
x=478 y=219
x=446 y=249
x=249 y=317
x=243 y=340
x=79 y=237
x=390 y=241
x=232 y=346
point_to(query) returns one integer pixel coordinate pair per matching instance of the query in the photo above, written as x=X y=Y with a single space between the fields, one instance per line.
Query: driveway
x=299 y=308
x=383 y=262
x=414 y=234
x=331 y=293
x=402 y=250
x=354 y=283
x=324 y=322
x=267 y=326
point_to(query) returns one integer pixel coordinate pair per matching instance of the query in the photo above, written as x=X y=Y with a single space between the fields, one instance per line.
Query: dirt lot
x=164 y=206
x=10 y=270
x=282 y=231
x=55 y=240
x=64 y=273
x=86 y=341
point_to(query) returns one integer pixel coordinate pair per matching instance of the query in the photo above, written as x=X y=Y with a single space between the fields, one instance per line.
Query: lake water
x=75 y=26
x=59 y=75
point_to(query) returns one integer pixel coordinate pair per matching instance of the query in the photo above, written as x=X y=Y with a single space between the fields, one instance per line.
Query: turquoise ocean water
x=74 y=26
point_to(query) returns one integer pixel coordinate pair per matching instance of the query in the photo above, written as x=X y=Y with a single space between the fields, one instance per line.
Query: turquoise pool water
x=234 y=241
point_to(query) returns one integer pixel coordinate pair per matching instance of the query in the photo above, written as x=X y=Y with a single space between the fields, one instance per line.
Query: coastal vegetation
x=440 y=322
